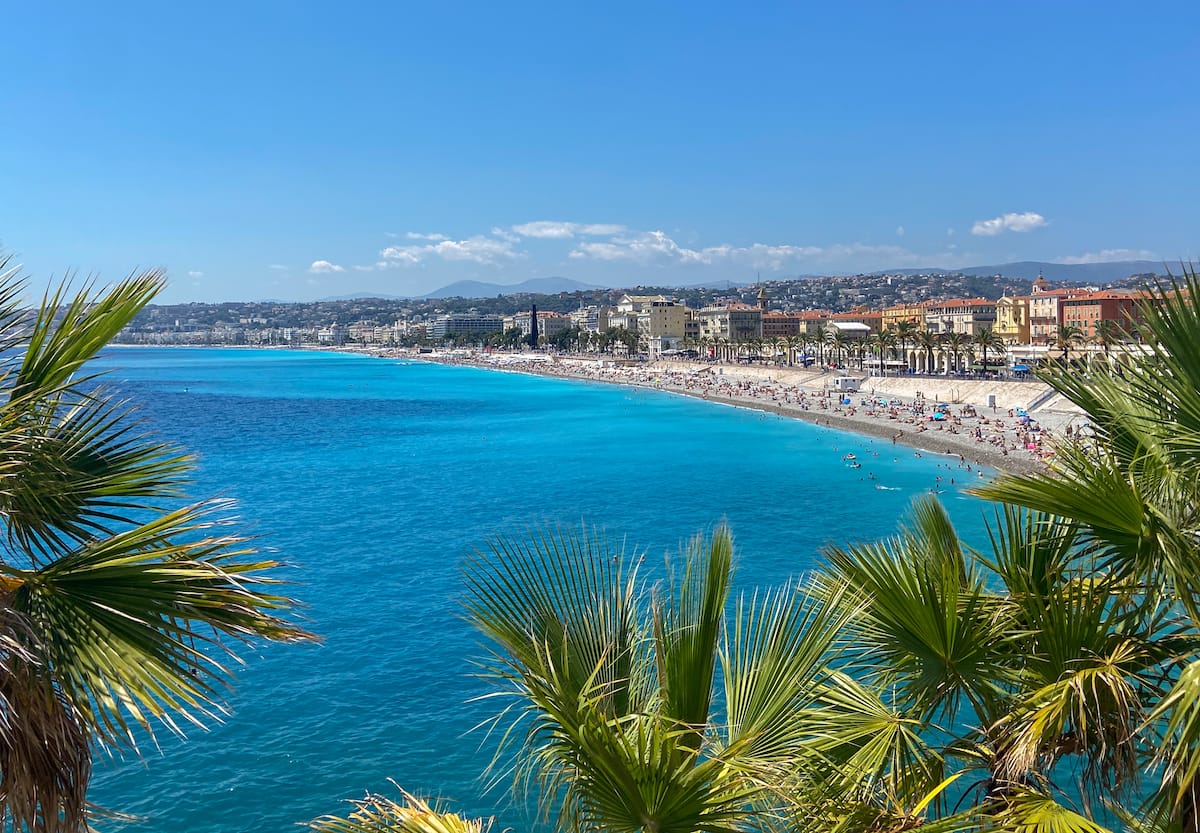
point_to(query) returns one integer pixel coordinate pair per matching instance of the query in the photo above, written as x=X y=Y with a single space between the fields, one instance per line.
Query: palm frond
x=774 y=662
x=627 y=778
x=130 y=626
x=380 y=814
x=1030 y=812
x=927 y=624
x=687 y=629
x=13 y=316
x=72 y=463
x=1094 y=711
x=873 y=754
x=1031 y=551
x=567 y=596
x=65 y=335
x=93 y=472
x=1176 y=721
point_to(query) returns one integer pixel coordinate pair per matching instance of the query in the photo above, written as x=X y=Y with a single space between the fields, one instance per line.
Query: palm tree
x=928 y=342
x=780 y=347
x=956 y=344
x=837 y=340
x=1004 y=666
x=793 y=343
x=905 y=330
x=884 y=343
x=1066 y=337
x=754 y=347
x=724 y=348
x=116 y=599
x=613 y=684
x=986 y=339
x=1134 y=490
x=1108 y=333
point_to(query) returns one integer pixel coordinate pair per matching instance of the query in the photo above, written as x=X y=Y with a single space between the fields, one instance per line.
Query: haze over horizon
x=290 y=151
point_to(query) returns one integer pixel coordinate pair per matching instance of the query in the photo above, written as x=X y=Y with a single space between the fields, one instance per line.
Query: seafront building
x=780 y=325
x=468 y=323
x=1047 y=323
x=960 y=315
x=591 y=319
x=550 y=324
x=1088 y=311
x=731 y=322
x=662 y=326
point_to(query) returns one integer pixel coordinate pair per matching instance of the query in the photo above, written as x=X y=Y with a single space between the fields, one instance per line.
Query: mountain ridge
x=551 y=285
x=1084 y=273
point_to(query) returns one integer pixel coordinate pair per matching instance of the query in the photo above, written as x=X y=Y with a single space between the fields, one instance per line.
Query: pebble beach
x=982 y=423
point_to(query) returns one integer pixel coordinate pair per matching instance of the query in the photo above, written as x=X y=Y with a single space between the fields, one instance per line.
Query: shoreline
x=977 y=434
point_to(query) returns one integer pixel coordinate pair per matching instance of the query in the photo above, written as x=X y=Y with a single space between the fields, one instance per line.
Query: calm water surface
x=374 y=477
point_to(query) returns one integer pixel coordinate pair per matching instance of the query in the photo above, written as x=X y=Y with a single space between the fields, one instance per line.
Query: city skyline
x=284 y=151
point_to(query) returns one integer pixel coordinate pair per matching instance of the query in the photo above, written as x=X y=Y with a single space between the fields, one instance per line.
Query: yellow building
x=912 y=313
x=663 y=319
x=1012 y=319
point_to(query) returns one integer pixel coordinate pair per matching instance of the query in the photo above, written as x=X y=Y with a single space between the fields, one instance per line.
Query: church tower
x=762 y=298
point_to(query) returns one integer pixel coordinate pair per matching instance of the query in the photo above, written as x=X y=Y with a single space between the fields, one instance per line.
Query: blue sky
x=298 y=150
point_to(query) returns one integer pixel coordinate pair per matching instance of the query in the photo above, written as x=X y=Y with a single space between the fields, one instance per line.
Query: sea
x=372 y=478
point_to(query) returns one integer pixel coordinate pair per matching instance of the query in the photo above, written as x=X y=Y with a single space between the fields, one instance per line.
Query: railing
x=1041 y=399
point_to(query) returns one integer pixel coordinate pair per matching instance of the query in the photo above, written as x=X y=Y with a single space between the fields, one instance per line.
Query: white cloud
x=557 y=230
x=655 y=247
x=648 y=247
x=618 y=243
x=1107 y=256
x=1026 y=221
x=195 y=274
x=477 y=249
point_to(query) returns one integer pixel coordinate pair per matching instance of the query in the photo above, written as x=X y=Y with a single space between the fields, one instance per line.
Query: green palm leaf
x=1030 y=812
x=117 y=612
x=774 y=663
x=687 y=630
x=379 y=814
x=927 y=624
x=126 y=623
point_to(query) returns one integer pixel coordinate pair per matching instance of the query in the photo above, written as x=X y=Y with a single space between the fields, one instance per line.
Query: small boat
x=849 y=457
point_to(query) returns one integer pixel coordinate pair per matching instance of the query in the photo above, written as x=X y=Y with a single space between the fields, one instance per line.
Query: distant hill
x=539 y=286
x=718 y=284
x=358 y=296
x=1086 y=273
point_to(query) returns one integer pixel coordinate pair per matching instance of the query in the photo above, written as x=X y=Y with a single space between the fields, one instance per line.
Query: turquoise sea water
x=374 y=477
